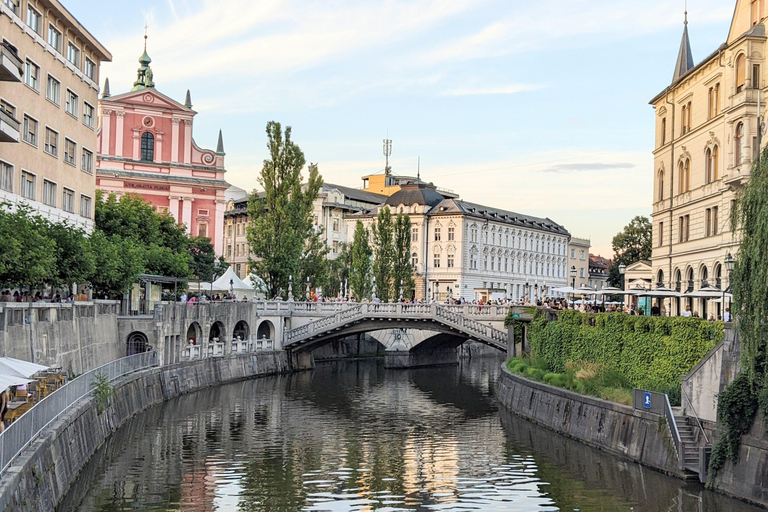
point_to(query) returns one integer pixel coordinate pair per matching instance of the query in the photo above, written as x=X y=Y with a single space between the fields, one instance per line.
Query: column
x=106 y=131
x=119 y=133
x=173 y=207
x=158 y=146
x=218 y=228
x=186 y=213
x=136 y=143
x=187 y=141
x=175 y=140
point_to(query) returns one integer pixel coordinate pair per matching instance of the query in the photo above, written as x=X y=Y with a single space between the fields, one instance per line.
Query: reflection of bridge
x=371 y=317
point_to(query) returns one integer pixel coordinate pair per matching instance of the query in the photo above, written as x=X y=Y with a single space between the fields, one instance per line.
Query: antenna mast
x=387 y=152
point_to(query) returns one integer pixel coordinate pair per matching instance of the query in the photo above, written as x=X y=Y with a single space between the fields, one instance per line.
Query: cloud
x=483 y=91
x=564 y=168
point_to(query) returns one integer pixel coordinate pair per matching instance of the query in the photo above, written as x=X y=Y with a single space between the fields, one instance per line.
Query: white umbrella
x=660 y=292
x=585 y=290
x=11 y=380
x=707 y=292
x=609 y=290
x=565 y=289
x=20 y=368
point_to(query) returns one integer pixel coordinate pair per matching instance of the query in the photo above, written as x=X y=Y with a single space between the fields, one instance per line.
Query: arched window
x=661 y=185
x=681 y=176
x=709 y=165
x=147 y=147
x=414 y=260
x=660 y=278
x=715 y=170
x=738 y=139
x=663 y=130
x=687 y=175
x=741 y=72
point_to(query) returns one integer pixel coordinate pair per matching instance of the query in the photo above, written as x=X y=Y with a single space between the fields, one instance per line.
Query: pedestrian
x=727 y=315
x=687 y=312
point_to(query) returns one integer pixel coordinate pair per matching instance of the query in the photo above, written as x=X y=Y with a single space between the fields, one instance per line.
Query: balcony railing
x=9 y=127
x=11 y=67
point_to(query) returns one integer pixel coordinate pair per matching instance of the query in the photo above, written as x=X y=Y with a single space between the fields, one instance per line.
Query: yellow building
x=706 y=142
x=49 y=71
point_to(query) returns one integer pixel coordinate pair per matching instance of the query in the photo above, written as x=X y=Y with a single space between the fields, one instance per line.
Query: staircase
x=690 y=446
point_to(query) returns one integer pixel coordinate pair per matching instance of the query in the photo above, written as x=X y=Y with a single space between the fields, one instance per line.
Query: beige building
x=706 y=143
x=49 y=70
x=578 y=256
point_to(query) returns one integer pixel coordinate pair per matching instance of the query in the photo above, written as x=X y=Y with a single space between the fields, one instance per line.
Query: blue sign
x=515 y=315
x=647 y=400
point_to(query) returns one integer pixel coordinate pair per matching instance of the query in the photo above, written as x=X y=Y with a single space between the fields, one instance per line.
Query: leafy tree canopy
x=630 y=245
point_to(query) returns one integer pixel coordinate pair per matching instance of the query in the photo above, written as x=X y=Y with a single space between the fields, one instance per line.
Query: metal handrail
x=669 y=415
x=24 y=430
x=706 y=439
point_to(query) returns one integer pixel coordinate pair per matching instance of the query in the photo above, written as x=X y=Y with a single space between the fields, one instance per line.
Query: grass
x=586 y=378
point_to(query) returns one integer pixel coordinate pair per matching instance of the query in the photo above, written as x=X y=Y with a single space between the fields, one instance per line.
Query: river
x=352 y=435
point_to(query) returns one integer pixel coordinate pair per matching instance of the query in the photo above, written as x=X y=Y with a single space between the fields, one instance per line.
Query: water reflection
x=354 y=436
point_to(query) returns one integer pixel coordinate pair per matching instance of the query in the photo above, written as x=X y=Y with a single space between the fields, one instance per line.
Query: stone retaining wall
x=614 y=428
x=41 y=476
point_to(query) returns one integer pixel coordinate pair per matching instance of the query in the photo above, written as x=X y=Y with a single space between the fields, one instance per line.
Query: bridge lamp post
x=290 y=287
x=401 y=290
x=573 y=284
x=232 y=288
x=309 y=293
x=373 y=290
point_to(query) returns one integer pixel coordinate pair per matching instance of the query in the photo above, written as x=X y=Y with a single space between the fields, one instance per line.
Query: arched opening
x=240 y=333
x=216 y=335
x=266 y=330
x=689 y=287
x=678 y=287
x=194 y=333
x=137 y=343
x=704 y=283
x=660 y=278
x=147 y=147
x=718 y=276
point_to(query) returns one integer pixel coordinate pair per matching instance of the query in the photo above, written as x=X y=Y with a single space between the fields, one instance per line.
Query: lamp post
x=622 y=271
x=401 y=290
x=526 y=290
x=309 y=292
x=373 y=291
x=573 y=285
x=730 y=262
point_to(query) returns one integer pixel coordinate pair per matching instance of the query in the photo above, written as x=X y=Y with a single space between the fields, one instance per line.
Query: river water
x=354 y=436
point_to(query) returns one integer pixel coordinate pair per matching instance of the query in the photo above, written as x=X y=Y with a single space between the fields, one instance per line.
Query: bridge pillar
x=403 y=359
x=303 y=360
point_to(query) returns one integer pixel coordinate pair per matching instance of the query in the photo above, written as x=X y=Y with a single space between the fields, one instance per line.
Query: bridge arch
x=136 y=343
x=266 y=330
x=217 y=332
x=194 y=334
x=241 y=331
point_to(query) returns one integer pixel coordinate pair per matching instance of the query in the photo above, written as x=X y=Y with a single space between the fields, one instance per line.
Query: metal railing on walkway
x=19 y=434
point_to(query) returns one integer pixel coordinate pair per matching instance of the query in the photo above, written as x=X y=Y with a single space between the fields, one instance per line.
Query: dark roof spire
x=684 y=56
x=188 y=100
x=106 y=93
x=144 y=74
x=220 y=145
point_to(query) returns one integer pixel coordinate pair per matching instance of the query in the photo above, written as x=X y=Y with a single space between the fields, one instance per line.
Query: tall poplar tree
x=360 y=273
x=384 y=254
x=402 y=270
x=280 y=230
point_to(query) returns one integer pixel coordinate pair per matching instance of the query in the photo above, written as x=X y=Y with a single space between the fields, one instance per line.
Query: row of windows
x=56 y=40
x=30 y=135
x=522 y=243
x=711 y=226
x=50 y=196
x=240 y=249
x=53 y=94
x=517 y=266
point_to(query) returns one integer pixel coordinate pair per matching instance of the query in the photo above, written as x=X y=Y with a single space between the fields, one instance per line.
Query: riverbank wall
x=614 y=428
x=40 y=477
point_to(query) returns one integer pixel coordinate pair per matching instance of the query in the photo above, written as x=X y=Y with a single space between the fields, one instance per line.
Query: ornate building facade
x=462 y=249
x=146 y=147
x=707 y=139
x=49 y=75
x=578 y=258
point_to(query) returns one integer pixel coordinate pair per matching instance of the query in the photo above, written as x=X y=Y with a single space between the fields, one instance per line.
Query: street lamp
x=290 y=287
x=573 y=285
x=309 y=293
x=730 y=262
x=401 y=290
x=373 y=291
x=231 y=288
x=622 y=271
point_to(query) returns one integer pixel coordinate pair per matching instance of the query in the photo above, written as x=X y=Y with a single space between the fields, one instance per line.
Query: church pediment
x=148 y=97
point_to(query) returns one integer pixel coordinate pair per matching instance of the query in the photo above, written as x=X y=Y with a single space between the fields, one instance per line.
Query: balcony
x=9 y=127
x=11 y=67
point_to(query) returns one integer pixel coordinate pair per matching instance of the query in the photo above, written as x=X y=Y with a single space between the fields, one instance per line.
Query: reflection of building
x=462 y=249
x=333 y=203
x=49 y=71
x=706 y=142
x=599 y=268
x=578 y=256
x=146 y=147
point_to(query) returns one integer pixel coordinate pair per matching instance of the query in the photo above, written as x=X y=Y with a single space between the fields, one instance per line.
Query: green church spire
x=144 y=78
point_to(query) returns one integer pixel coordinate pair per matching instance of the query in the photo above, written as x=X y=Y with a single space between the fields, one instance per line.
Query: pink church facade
x=146 y=147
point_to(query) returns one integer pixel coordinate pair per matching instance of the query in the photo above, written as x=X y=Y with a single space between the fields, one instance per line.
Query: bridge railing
x=24 y=430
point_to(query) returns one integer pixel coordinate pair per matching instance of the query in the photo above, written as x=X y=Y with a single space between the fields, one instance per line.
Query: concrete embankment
x=41 y=476
x=617 y=429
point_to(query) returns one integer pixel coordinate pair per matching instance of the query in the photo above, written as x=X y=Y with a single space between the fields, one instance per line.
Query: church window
x=147 y=147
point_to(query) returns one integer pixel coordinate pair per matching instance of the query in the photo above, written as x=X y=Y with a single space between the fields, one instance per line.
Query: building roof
x=508 y=217
x=415 y=193
x=684 y=56
x=356 y=194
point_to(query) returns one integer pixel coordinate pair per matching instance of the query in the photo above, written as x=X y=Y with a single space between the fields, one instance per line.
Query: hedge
x=651 y=352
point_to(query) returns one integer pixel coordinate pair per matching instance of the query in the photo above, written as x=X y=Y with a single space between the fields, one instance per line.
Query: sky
x=535 y=107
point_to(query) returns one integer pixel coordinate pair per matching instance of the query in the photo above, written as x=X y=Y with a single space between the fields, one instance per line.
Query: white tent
x=19 y=368
x=257 y=284
x=230 y=282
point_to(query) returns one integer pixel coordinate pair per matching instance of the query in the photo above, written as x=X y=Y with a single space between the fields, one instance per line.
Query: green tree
x=203 y=258
x=630 y=245
x=314 y=263
x=402 y=269
x=384 y=254
x=338 y=271
x=117 y=262
x=280 y=230
x=360 y=268
x=28 y=255
x=75 y=262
